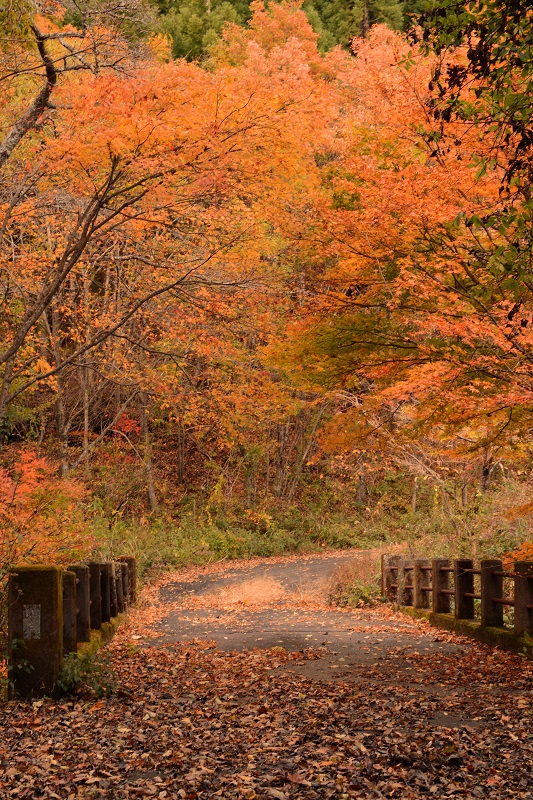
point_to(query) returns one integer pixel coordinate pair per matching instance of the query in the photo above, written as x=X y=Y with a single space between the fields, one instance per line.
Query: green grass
x=164 y=543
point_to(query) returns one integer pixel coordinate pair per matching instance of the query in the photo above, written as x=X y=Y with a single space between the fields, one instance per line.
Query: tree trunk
x=147 y=453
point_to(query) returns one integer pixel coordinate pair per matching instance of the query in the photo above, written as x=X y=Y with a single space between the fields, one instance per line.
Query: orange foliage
x=413 y=318
x=41 y=515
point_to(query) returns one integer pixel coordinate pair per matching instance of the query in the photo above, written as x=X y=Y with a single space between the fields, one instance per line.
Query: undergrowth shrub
x=89 y=673
x=494 y=523
x=166 y=542
x=356 y=583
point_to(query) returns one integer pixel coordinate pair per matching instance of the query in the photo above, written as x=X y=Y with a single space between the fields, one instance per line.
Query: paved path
x=282 y=604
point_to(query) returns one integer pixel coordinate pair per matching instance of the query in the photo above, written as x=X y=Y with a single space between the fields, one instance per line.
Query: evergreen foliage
x=195 y=25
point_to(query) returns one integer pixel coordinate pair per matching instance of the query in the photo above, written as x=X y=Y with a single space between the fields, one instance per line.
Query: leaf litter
x=188 y=721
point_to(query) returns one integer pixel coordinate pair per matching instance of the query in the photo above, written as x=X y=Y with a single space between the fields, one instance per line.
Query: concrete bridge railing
x=449 y=594
x=54 y=612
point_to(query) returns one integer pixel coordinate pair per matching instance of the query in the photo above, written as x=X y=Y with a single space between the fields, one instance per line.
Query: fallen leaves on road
x=191 y=722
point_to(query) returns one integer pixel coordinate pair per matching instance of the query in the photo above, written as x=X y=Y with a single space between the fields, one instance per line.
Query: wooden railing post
x=464 y=583
x=113 y=603
x=125 y=584
x=523 y=598
x=440 y=581
x=491 y=592
x=119 y=568
x=131 y=563
x=408 y=586
x=400 y=581
x=105 y=584
x=389 y=566
x=421 y=580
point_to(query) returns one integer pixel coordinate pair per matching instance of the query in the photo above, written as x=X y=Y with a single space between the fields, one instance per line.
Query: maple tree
x=173 y=182
x=195 y=26
x=424 y=316
x=183 y=244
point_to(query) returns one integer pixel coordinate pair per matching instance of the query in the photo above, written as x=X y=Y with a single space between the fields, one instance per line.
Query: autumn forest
x=266 y=278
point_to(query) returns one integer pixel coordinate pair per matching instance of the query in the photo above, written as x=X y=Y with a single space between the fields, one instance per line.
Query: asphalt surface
x=271 y=605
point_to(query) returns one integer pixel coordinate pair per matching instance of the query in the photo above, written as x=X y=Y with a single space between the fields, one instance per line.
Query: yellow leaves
x=160 y=46
x=42 y=367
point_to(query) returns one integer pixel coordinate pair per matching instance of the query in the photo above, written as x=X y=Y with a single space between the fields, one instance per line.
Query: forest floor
x=241 y=681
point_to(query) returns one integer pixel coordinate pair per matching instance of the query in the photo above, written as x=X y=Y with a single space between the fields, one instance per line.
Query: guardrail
x=54 y=612
x=443 y=589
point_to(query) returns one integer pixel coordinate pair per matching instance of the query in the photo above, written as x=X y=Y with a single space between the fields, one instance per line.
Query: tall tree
x=425 y=314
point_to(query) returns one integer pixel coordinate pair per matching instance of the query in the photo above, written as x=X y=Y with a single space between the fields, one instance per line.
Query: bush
x=356 y=583
x=87 y=673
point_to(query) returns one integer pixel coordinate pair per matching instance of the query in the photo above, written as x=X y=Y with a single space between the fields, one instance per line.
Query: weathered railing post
x=119 y=567
x=464 y=585
x=105 y=584
x=440 y=581
x=95 y=588
x=35 y=629
x=113 y=604
x=422 y=591
x=70 y=633
x=400 y=580
x=131 y=563
x=389 y=577
x=523 y=598
x=83 y=603
x=125 y=584
x=408 y=585
x=491 y=592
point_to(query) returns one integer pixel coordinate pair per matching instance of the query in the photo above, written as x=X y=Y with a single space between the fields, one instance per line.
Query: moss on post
x=35 y=629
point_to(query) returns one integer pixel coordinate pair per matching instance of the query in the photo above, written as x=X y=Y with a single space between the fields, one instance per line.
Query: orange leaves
x=179 y=195
x=40 y=514
x=411 y=309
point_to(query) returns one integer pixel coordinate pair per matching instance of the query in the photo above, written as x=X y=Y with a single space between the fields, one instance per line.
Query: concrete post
x=70 y=637
x=523 y=598
x=421 y=578
x=125 y=585
x=95 y=588
x=132 y=576
x=119 y=569
x=105 y=589
x=35 y=629
x=408 y=585
x=400 y=591
x=491 y=588
x=113 y=602
x=464 y=582
x=83 y=602
x=439 y=581
x=388 y=566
